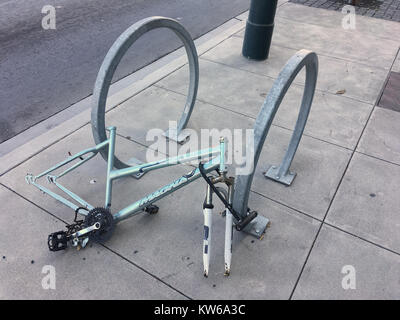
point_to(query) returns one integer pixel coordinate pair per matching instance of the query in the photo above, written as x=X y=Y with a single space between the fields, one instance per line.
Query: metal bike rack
x=281 y=173
x=110 y=63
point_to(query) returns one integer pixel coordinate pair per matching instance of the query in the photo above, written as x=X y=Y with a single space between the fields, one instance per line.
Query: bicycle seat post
x=222 y=167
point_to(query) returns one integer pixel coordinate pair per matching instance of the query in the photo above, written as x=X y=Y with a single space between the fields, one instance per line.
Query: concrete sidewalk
x=343 y=208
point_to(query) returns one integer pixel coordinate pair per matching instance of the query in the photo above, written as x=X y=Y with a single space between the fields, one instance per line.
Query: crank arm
x=84 y=231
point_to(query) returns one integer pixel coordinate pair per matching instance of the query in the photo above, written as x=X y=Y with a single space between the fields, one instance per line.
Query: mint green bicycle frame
x=217 y=162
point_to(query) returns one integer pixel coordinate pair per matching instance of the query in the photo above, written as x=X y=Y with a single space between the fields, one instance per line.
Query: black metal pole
x=259 y=28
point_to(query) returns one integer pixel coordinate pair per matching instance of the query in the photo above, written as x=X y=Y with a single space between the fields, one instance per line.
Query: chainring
x=106 y=220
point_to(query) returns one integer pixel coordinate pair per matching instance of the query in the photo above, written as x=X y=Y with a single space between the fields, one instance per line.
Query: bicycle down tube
x=113 y=174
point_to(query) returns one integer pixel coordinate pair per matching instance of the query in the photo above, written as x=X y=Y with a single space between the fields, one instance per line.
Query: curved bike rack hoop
x=302 y=58
x=113 y=58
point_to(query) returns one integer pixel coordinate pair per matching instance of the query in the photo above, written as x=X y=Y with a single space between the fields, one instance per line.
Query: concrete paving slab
x=333 y=118
x=319 y=167
x=367 y=203
x=299 y=197
x=331 y=42
x=156 y=106
x=224 y=86
x=381 y=137
x=229 y=52
x=94 y=273
x=364 y=25
x=153 y=108
x=169 y=245
x=376 y=270
x=359 y=81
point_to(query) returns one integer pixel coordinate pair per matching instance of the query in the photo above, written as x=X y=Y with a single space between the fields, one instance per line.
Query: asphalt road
x=44 y=71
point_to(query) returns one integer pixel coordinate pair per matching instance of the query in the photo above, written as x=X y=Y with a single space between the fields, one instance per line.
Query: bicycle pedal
x=57 y=241
x=151 y=209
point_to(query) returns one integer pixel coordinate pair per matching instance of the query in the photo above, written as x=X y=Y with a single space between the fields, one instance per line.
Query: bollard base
x=257 y=41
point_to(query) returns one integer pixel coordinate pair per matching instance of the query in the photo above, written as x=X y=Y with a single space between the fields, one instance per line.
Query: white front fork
x=207 y=212
x=207 y=239
x=228 y=241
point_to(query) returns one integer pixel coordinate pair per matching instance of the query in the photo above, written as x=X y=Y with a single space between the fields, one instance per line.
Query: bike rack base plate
x=286 y=179
x=135 y=162
x=257 y=227
x=172 y=133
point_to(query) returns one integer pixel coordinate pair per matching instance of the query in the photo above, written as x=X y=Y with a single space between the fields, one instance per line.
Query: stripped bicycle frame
x=113 y=174
x=217 y=162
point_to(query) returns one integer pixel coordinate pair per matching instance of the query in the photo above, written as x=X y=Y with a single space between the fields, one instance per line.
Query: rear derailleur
x=97 y=226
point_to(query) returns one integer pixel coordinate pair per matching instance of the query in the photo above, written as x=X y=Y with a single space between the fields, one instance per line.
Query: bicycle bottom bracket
x=57 y=241
x=106 y=220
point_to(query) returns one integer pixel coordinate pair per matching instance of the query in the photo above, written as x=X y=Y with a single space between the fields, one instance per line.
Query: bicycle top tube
x=217 y=161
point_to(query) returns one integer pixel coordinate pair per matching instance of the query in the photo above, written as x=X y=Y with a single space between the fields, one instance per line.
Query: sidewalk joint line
x=338 y=58
x=31 y=202
x=338 y=185
x=147 y=272
x=332 y=28
x=286 y=205
x=362 y=238
x=107 y=248
x=324 y=54
x=377 y=158
x=219 y=42
x=253 y=118
x=294 y=82
x=43 y=149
